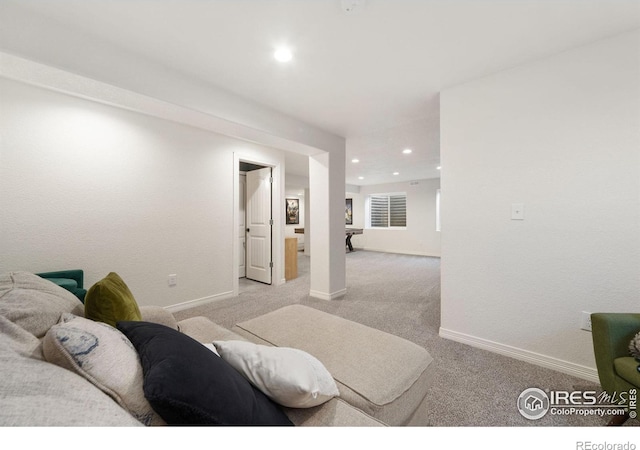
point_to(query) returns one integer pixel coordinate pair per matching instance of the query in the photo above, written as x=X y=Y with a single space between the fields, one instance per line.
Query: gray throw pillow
x=105 y=357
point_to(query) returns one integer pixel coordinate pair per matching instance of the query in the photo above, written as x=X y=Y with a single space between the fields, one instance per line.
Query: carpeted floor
x=400 y=294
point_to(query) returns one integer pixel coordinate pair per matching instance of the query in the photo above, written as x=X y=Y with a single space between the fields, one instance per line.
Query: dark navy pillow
x=188 y=384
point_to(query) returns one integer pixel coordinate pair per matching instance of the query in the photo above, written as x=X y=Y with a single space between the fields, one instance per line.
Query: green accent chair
x=71 y=280
x=617 y=369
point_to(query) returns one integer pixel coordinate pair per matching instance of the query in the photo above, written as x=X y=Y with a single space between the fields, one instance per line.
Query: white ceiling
x=372 y=76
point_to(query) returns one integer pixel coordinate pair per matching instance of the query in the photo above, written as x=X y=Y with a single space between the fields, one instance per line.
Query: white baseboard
x=328 y=296
x=384 y=250
x=199 y=301
x=576 y=370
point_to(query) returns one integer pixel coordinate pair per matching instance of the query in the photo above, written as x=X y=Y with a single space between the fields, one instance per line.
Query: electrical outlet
x=585 y=321
x=517 y=211
x=173 y=280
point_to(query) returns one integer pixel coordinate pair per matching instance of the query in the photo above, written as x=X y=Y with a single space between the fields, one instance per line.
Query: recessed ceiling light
x=283 y=54
x=406 y=151
x=355 y=160
x=360 y=178
x=396 y=173
x=439 y=167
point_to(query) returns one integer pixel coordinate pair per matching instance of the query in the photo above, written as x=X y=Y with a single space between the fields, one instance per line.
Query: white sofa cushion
x=288 y=376
x=37 y=393
x=384 y=375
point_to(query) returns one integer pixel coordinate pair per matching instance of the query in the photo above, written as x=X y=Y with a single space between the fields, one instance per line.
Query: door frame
x=242 y=270
x=277 y=206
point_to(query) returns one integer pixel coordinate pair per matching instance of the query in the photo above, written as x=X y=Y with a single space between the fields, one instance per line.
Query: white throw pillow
x=105 y=357
x=288 y=376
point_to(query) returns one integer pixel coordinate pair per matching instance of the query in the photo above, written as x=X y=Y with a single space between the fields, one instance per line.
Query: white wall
x=326 y=233
x=420 y=236
x=246 y=121
x=562 y=136
x=85 y=185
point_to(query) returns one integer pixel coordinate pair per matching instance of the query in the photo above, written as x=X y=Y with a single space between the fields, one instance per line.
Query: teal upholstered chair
x=617 y=370
x=71 y=280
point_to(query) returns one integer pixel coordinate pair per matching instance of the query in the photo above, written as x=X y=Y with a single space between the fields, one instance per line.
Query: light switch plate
x=517 y=211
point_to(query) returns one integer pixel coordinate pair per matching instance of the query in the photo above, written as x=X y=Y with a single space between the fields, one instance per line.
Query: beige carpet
x=400 y=294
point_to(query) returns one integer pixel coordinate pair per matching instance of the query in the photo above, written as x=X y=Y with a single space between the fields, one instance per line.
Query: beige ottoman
x=384 y=375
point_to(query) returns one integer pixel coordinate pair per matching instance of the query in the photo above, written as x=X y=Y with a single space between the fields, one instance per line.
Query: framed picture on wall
x=349 y=212
x=293 y=211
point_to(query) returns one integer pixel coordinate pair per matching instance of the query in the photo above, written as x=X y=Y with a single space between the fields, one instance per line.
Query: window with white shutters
x=387 y=210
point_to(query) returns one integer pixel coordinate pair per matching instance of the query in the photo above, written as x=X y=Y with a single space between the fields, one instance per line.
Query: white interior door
x=258 y=229
x=242 y=200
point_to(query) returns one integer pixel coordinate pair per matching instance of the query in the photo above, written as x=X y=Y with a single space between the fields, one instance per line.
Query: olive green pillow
x=110 y=301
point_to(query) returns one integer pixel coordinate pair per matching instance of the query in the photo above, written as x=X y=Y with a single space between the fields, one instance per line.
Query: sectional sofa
x=294 y=366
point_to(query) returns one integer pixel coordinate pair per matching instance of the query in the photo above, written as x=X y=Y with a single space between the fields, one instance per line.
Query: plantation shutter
x=388 y=210
x=398 y=209
x=379 y=211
